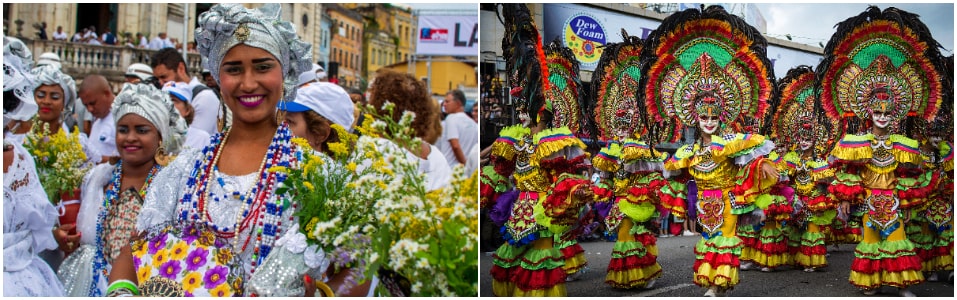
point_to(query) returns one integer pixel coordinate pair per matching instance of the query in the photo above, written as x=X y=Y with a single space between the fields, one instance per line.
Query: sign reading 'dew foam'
x=448 y=35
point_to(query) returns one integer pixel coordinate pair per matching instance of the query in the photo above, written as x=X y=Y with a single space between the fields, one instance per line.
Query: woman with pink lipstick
x=147 y=125
x=55 y=95
x=212 y=217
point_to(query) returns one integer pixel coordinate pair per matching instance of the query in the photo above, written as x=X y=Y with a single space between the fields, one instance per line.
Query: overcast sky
x=814 y=23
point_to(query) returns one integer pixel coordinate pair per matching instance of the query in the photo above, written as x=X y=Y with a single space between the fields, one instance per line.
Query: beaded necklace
x=112 y=192
x=261 y=210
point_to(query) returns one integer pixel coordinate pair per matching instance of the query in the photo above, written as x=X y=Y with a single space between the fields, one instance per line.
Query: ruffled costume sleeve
x=491 y=184
x=673 y=193
x=607 y=160
x=912 y=191
x=846 y=159
x=559 y=211
x=750 y=152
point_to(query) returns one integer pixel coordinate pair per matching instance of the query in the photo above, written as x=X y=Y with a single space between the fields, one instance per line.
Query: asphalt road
x=676 y=258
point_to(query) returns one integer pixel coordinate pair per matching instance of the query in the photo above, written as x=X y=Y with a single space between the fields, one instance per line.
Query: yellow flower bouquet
x=60 y=160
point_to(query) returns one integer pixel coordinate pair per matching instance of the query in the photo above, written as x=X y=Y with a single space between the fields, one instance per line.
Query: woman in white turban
x=27 y=214
x=219 y=204
x=148 y=129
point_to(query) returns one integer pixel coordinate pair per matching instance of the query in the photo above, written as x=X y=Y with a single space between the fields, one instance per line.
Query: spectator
x=59 y=35
x=142 y=42
x=317 y=107
x=169 y=66
x=160 y=42
x=358 y=100
x=191 y=47
x=97 y=96
x=43 y=31
x=181 y=93
x=474 y=113
x=78 y=37
x=309 y=76
x=459 y=132
x=90 y=36
x=109 y=38
x=321 y=74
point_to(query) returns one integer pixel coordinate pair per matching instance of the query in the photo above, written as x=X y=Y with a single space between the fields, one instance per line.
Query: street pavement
x=676 y=257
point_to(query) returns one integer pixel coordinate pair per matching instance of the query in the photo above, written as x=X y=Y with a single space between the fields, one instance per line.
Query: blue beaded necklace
x=261 y=209
x=112 y=193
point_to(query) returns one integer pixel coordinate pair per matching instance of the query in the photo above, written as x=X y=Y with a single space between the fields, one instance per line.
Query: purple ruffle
x=603 y=208
x=692 y=199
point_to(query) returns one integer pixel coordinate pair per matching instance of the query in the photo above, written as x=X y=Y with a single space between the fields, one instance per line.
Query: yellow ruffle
x=740 y=142
x=575 y=263
x=638 y=150
x=503 y=288
x=557 y=290
x=905 y=149
x=633 y=278
x=608 y=158
x=724 y=276
x=877 y=279
x=531 y=181
x=853 y=147
x=557 y=139
x=505 y=149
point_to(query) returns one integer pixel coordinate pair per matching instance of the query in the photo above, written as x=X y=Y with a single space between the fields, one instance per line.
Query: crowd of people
x=179 y=177
x=89 y=35
x=844 y=152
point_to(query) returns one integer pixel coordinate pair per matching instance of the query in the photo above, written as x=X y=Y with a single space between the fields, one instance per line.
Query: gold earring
x=162 y=158
x=281 y=112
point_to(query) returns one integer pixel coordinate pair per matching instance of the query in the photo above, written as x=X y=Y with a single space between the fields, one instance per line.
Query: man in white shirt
x=161 y=41
x=459 y=132
x=143 y=43
x=168 y=66
x=59 y=35
x=98 y=98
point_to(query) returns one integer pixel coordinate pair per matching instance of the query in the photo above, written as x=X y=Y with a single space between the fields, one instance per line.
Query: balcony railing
x=80 y=59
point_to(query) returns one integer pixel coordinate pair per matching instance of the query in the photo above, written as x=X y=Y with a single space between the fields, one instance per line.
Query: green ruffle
x=507 y=256
x=847 y=179
x=823 y=218
x=916 y=235
x=742 y=210
x=765 y=200
x=922 y=181
x=884 y=249
x=945 y=238
x=639 y=228
x=626 y=249
x=719 y=244
x=811 y=239
x=771 y=235
x=640 y=212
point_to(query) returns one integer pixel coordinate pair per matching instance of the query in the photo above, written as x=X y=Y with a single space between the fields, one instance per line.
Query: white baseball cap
x=139 y=70
x=310 y=75
x=321 y=73
x=179 y=91
x=327 y=99
x=49 y=59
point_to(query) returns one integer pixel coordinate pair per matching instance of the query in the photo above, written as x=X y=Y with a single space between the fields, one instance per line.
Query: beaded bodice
x=709 y=174
x=528 y=176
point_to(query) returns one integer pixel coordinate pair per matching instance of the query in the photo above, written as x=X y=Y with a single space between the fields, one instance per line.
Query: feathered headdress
x=697 y=52
x=799 y=112
x=564 y=95
x=880 y=59
x=524 y=58
x=617 y=91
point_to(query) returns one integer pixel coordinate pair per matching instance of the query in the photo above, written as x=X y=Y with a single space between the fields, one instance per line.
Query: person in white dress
x=28 y=216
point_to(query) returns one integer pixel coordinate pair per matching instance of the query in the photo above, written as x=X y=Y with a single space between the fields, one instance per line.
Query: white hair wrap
x=260 y=28
x=155 y=106
x=51 y=75
x=17 y=79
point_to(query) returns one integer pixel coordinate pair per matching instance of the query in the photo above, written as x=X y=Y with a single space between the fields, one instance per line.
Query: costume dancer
x=806 y=167
x=708 y=70
x=880 y=66
x=634 y=169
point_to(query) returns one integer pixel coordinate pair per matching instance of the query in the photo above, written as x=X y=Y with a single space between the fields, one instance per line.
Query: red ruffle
x=602 y=193
x=560 y=205
x=499 y=273
x=674 y=204
x=631 y=262
x=571 y=251
x=503 y=166
x=528 y=280
x=818 y=203
x=917 y=193
x=488 y=195
x=846 y=193
x=895 y=265
x=772 y=248
x=779 y=209
x=744 y=186
x=814 y=250
x=718 y=259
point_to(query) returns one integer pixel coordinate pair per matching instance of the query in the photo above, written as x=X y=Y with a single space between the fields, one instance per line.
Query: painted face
x=251 y=83
x=881 y=118
x=805 y=143
x=136 y=139
x=708 y=123
x=524 y=118
x=50 y=100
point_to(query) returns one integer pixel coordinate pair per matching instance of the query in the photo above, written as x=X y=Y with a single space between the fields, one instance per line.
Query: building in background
x=346 y=52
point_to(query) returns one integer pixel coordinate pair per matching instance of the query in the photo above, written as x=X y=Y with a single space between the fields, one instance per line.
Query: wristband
x=123 y=284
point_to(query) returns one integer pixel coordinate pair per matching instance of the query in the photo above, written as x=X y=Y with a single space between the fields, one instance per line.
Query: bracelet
x=324 y=289
x=123 y=284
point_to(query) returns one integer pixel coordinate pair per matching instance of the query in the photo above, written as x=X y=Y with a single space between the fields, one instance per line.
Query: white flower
x=293 y=240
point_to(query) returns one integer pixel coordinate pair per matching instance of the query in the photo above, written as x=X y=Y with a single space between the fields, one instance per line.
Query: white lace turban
x=17 y=79
x=155 y=106
x=51 y=75
x=227 y=25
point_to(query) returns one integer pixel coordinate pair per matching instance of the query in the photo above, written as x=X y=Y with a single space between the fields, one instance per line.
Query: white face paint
x=524 y=118
x=881 y=119
x=935 y=140
x=805 y=144
x=708 y=124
